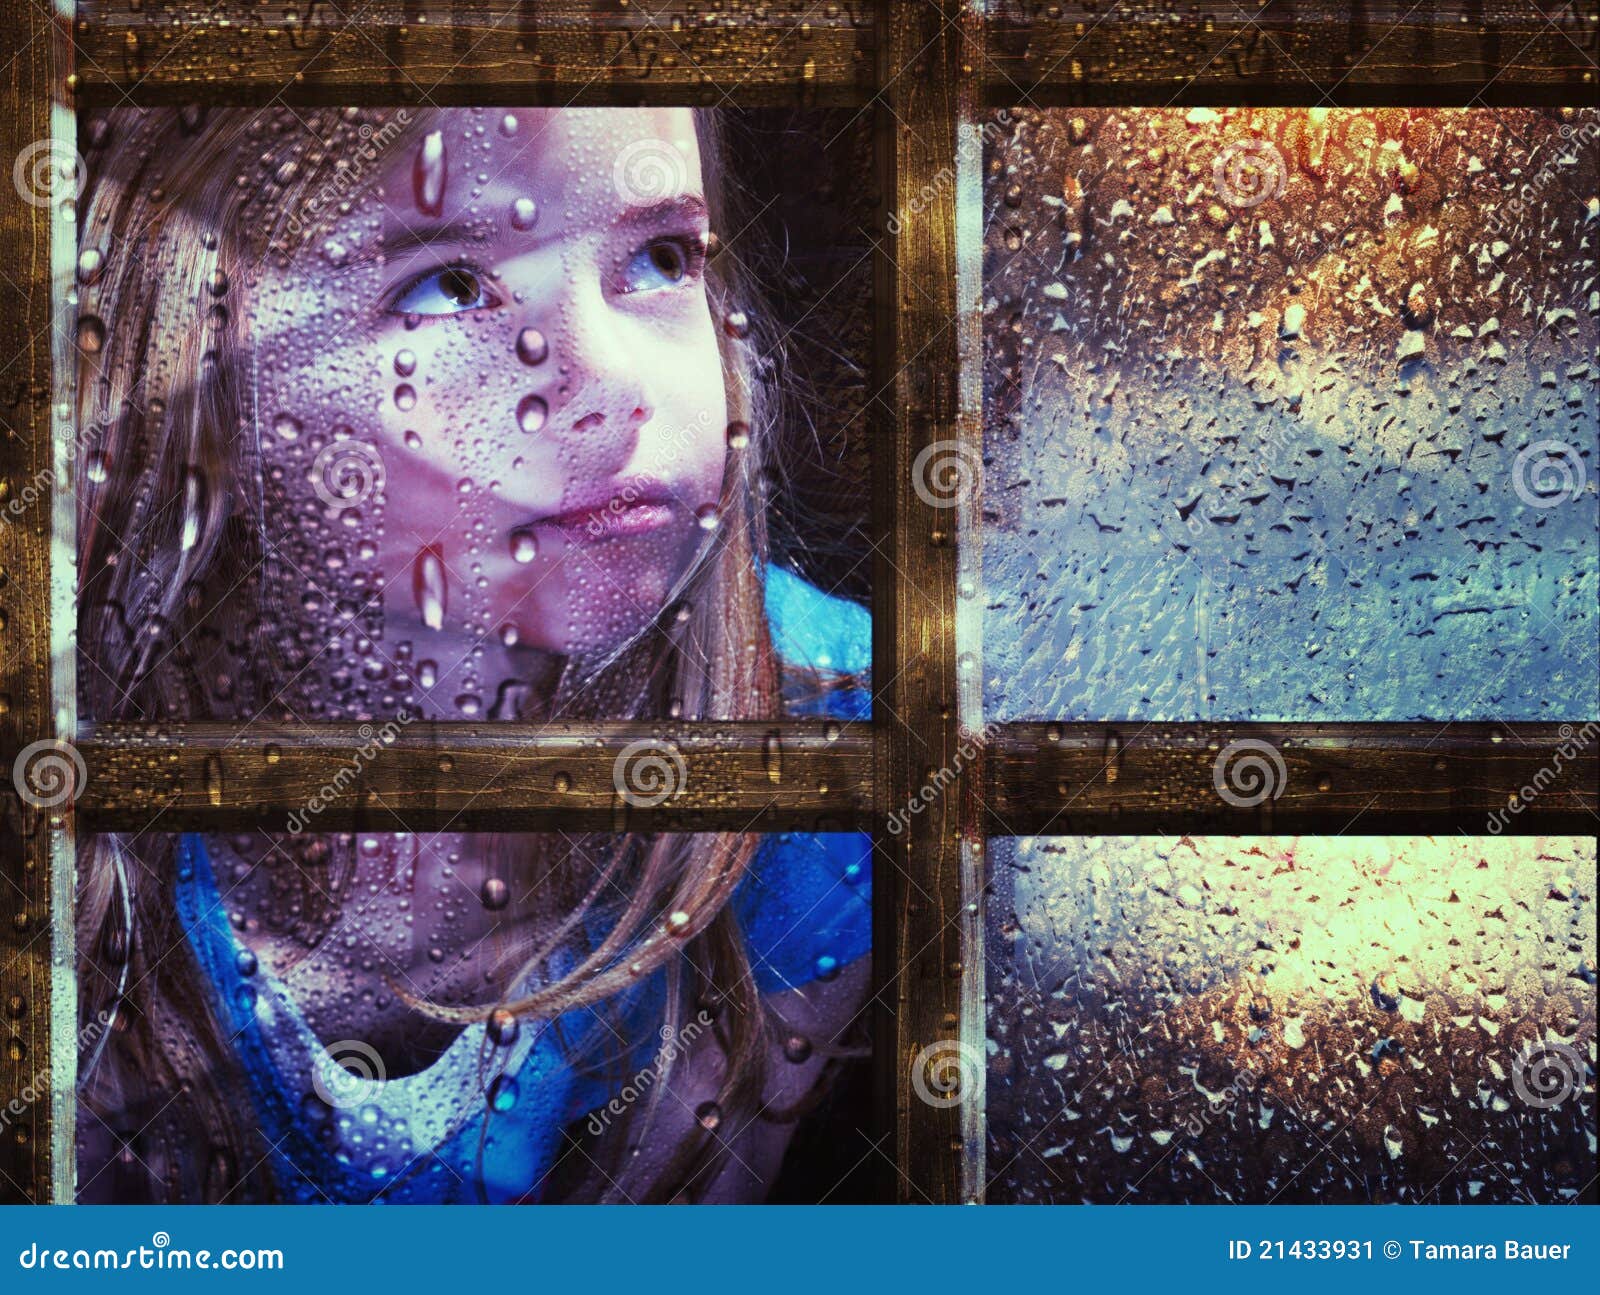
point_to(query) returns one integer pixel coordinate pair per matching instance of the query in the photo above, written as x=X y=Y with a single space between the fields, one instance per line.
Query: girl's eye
x=664 y=263
x=446 y=291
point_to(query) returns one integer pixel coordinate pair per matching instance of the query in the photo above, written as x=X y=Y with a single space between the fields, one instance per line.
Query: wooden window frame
x=926 y=71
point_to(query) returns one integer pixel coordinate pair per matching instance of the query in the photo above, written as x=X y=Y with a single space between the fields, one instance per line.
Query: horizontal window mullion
x=484 y=52
x=1303 y=53
x=1131 y=778
x=429 y=776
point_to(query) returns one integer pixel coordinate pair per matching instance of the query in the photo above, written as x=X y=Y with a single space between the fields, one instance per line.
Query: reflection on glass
x=1299 y=1020
x=398 y=414
x=440 y=1018
x=1291 y=414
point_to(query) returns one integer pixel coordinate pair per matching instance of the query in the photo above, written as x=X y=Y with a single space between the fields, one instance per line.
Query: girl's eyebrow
x=687 y=206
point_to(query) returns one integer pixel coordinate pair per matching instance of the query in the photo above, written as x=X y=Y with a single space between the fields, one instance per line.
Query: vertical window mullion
x=925 y=499
x=39 y=771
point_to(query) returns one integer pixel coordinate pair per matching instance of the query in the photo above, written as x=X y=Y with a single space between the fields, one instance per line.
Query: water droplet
x=91 y=334
x=524 y=212
x=428 y=587
x=508 y=124
x=503 y=1028
x=531 y=413
x=405 y=363
x=405 y=396
x=738 y=435
x=678 y=923
x=91 y=264
x=524 y=545
x=194 y=491
x=503 y=1093
x=532 y=347
x=709 y=1114
x=797 y=1048
x=286 y=427
x=708 y=517
x=413 y=439
x=737 y=324
x=428 y=174
x=495 y=894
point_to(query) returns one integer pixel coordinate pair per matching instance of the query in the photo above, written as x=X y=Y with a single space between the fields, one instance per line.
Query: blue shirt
x=483 y=1124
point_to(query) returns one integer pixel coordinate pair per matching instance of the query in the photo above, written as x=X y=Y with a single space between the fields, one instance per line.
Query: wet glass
x=469 y=413
x=442 y=1018
x=1292 y=1020
x=1290 y=414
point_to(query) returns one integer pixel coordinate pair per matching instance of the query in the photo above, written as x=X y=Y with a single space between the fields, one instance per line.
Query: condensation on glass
x=443 y=1018
x=1278 y=1019
x=469 y=413
x=1290 y=414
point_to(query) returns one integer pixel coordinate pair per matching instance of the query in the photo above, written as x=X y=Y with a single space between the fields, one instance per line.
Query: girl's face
x=498 y=370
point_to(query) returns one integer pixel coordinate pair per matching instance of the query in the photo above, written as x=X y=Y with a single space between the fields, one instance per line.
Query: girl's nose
x=589 y=374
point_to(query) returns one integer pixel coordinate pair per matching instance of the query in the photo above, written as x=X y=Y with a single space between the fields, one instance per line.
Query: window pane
x=1292 y=1020
x=467 y=413
x=1290 y=414
x=444 y=1018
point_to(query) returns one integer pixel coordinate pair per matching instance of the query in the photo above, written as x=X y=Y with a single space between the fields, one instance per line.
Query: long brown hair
x=172 y=500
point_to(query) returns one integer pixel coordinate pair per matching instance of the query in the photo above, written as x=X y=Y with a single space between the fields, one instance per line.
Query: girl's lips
x=611 y=519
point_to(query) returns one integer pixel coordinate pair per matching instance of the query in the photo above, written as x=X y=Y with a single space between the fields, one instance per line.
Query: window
x=951 y=756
